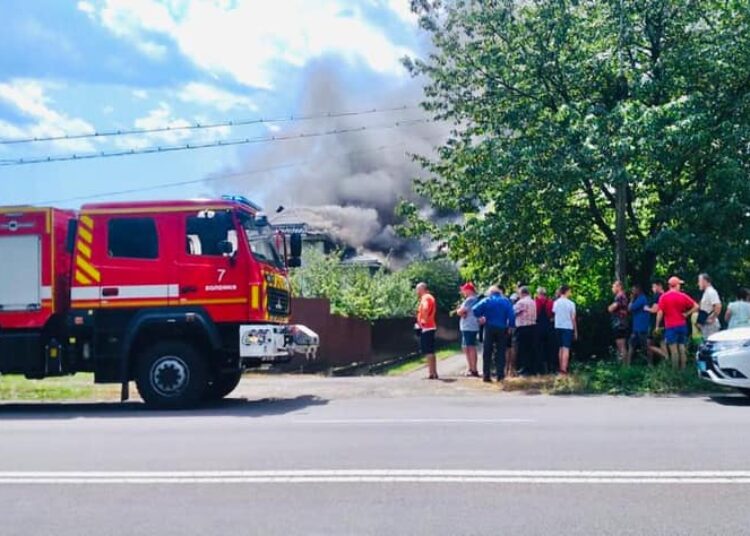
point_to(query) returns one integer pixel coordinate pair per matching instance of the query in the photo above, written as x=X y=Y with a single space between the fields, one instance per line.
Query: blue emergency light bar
x=243 y=201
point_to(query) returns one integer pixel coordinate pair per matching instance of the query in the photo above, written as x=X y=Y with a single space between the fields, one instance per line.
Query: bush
x=612 y=378
x=353 y=291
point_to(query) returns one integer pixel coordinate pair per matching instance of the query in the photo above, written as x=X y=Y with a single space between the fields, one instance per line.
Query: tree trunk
x=621 y=262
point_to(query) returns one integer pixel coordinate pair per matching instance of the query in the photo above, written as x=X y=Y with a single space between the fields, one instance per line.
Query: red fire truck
x=178 y=296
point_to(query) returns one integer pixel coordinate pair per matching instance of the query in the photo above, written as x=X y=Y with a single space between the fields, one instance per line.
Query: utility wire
x=200 y=126
x=210 y=178
x=191 y=146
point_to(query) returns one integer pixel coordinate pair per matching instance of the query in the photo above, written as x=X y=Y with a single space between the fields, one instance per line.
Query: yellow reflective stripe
x=87 y=222
x=82 y=279
x=254 y=296
x=83 y=249
x=85 y=304
x=85 y=234
x=90 y=271
x=265 y=302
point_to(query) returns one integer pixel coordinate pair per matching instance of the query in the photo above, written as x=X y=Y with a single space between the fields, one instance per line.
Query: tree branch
x=596 y=212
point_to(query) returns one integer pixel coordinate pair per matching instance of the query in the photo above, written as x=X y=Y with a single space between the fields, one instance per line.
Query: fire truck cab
x=178 y=296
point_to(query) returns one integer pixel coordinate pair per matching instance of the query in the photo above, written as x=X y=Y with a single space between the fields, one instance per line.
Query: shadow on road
x=730 y=400
x=230 y=407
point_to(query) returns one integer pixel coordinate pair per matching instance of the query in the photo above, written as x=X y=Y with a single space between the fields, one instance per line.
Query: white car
x=725 y=359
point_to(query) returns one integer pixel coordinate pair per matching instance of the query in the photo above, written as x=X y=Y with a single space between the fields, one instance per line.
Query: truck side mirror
x=225 y=247
x=295 y=251
x=295 y=245
x=70 y=238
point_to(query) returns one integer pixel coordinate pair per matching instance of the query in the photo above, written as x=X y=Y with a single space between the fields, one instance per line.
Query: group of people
x=520 y=334
x=524 y=334
x=660 y=326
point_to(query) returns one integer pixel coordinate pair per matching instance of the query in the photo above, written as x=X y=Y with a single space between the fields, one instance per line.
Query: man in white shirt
x=566 y=326
x=710 y=307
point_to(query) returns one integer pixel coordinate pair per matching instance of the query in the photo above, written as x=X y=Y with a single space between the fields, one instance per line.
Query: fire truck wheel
x=171 y=375
x=223 y=384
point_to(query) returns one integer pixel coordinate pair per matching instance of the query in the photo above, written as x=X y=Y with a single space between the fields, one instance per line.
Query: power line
x=210 y=178
x=200 y=126
x=191 y=146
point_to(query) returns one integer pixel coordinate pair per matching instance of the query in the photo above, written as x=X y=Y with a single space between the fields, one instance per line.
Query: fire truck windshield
x=261 y=242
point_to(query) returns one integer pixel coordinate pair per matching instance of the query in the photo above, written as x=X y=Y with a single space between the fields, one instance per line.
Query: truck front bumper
x=273 y=343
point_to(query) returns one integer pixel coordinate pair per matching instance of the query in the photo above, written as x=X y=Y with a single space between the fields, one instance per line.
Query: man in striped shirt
x=525 y=310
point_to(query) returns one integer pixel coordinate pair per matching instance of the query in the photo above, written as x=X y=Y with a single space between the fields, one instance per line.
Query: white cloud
x=248 y=39
x=140 y=94
x=29 y=97
x=86 y=7
x=152 y=50
x=402 y=8
x=208 y=95
x=162 y=116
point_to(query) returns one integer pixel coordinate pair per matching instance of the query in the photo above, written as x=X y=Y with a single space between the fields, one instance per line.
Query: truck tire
x=171 y=375
x=222 y=384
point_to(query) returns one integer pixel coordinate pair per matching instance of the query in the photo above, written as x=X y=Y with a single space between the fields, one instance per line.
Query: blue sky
x=71 y=66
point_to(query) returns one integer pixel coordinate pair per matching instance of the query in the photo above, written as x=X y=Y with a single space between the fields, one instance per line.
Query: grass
x=417 y=362
x=78 y=387
x=611 y=378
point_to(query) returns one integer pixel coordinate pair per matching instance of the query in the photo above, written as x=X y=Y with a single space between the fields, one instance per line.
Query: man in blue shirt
x=495 y=313
x=640 y=311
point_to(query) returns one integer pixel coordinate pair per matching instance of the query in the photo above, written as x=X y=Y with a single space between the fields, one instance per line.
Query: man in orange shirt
x=427 y=327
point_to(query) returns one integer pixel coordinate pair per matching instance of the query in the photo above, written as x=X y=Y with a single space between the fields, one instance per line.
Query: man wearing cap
x=675 y=307
x=469 y=326
x=495 y=312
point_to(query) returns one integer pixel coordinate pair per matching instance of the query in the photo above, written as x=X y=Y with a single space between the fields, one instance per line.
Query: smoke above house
x=350 y=184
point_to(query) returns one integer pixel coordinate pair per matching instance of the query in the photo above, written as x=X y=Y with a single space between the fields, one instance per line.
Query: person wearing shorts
x=564 y=338
x=675 y=307
x=639 y=312
x=676 y=335
x=427 y=326
x=618 y=310
x=469 y=326
x=566 y=326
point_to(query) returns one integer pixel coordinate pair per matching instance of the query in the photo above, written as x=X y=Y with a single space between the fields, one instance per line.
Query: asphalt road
x=379 y=456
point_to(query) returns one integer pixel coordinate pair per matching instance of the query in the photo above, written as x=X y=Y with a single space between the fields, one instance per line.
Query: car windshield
x=261 y=242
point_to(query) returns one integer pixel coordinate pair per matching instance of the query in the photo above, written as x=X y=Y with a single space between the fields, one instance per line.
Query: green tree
x=353 y=291
x=441 y=277
x=591 y=137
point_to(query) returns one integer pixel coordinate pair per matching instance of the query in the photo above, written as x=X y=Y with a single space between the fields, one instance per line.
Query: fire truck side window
x=133 y=238
x=207 y=231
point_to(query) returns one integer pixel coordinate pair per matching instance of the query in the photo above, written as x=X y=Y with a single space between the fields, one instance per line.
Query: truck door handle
x=188 y=290
x=108 y=292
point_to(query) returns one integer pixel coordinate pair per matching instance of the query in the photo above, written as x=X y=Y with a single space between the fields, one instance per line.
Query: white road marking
x=367 y=476
x=412 y=421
